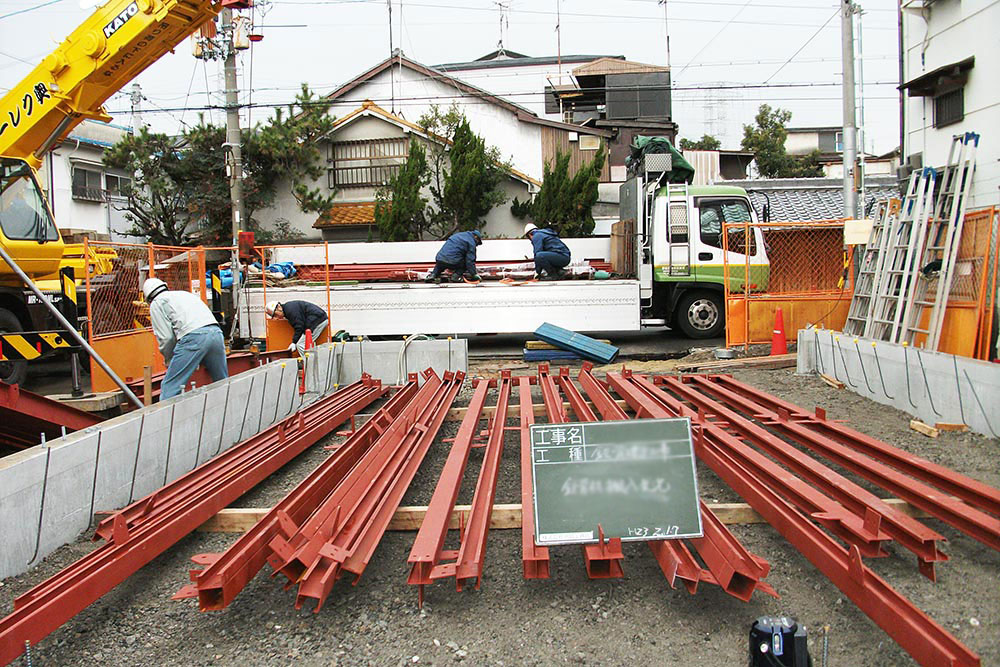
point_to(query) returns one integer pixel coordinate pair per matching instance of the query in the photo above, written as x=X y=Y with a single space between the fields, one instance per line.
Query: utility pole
x=234 y=156
x=135 y=98
x=666 y=28
x=850 y=128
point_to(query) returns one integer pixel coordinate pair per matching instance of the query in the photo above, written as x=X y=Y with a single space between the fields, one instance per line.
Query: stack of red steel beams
x=342 y=533
x=226 y=574
x=25 y=417
x=729 y=564
x=147 y=528
x=428 y=551
x=404 y=271
x=782 y=498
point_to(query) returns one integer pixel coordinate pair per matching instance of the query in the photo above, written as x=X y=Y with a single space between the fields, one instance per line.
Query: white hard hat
x=530 y=227
x=270 y=308
x=152 y=287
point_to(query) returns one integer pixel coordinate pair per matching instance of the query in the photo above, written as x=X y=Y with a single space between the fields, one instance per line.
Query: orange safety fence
x=118 y=323
x=806 y=277
x=278 y=333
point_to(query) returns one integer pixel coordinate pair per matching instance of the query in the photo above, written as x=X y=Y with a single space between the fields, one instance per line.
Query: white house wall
x=954 y=31
x=56 y=176
x=524 y=85
x=416 y=93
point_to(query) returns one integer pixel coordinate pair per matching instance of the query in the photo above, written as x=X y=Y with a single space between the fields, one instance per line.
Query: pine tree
x=472 y=185
x=399 y=206
x=565 y=204
x=706 y=143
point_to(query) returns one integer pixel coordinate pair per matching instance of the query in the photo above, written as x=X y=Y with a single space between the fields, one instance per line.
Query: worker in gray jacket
x=188 y=336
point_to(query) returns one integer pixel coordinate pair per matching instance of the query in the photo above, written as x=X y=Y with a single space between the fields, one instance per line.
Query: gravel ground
x=565 y=619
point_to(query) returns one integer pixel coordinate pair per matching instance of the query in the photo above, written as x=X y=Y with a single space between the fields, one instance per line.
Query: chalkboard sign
x=635 y=478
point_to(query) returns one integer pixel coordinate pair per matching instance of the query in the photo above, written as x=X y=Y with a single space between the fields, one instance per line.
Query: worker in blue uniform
x=551 y=254
x=458 y=255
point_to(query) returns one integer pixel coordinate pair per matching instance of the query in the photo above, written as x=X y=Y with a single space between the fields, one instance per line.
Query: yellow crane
x=110 y=48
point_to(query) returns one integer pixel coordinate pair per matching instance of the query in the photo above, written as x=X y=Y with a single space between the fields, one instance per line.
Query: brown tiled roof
x=355 y=213
x=604 y=66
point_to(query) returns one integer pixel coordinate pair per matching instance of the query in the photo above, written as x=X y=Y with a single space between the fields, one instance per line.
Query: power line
x=814 y=35
x=29 y=9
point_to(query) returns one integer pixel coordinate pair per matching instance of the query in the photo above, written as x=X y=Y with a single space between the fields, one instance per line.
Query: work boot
x=456 y=277
x=431 y=278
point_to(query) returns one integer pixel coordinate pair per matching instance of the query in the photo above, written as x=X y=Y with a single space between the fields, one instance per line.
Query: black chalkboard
x=635 y=478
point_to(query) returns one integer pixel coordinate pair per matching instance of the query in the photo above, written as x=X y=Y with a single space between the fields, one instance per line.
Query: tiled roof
x=354 y=213
x=802 y=199
x=604 y=66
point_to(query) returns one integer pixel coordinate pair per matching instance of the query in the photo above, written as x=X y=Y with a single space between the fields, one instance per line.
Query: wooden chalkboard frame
x=618 y=443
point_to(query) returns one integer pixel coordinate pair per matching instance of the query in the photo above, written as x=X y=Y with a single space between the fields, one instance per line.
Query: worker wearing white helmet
x=187 y=334
x=551 y=254
x=301 y=315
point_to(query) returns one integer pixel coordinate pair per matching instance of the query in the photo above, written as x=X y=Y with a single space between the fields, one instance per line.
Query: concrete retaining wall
x=335 y=364
x=932 y=386
x=48 y=494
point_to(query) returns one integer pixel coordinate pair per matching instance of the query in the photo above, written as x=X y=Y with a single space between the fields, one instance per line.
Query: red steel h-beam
x=534 y=558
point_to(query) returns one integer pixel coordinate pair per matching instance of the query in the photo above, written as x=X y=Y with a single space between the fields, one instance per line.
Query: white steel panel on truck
x=400 y=309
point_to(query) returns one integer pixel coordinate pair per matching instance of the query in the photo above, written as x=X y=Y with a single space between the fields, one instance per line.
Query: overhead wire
x=804 y=45
x=713 y=37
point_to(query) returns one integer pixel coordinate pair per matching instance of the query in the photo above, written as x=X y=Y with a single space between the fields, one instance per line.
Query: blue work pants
x=201 y=346
x=550 y=262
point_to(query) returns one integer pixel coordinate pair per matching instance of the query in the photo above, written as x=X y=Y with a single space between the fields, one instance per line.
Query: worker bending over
x=188 y=336
x=301 y=315
x=551 y=254
x=458 y=255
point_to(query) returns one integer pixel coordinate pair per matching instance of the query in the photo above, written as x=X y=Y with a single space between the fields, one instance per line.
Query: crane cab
x=27 y=230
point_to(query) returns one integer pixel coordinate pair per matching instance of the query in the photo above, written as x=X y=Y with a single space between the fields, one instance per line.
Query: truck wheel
x=11 y=372
x=700 y=314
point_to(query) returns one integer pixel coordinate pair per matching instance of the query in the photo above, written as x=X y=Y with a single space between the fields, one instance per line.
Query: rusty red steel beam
x=866 y=533
x=971 y=521
x=910 y=533
x=350 y=535
x=534 y=558
x=228 y=573
x=297 y=545
x=428 y=546
x=968 y=489
x=918 y=634
x=24 y=416
x=472 y=550
x=730 y=565
x=44 y=608
x=604 y=560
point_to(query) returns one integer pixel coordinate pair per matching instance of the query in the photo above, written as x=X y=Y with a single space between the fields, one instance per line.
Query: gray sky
x=735 y=44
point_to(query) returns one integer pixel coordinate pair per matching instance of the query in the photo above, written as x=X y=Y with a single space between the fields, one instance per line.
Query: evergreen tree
x=399 y=205
x=180 y=193
x=565 y=203
x=766 y=140
x=706 y=143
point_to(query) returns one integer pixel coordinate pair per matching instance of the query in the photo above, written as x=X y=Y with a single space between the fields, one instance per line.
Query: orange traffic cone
x=309 y=339
x=778 y=343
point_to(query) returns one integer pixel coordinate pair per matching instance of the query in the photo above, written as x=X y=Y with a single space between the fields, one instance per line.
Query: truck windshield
x=23 y=214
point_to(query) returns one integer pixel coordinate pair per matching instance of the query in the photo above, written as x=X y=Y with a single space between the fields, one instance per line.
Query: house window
x=838 y=142
x=949 y=108
x=369 y=162
x=116 y=186
x=589 y=142
x=87 y=184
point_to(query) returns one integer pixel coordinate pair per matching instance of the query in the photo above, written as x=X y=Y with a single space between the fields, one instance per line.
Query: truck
x=667 y=252
x=106 y=51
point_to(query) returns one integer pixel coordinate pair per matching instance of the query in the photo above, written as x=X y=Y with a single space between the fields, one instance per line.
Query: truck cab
x=680 y=256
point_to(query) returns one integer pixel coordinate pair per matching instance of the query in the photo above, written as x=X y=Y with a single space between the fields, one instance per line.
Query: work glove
x=291 y=347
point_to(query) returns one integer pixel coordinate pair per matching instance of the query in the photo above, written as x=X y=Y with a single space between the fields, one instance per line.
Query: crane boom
x=117 y=42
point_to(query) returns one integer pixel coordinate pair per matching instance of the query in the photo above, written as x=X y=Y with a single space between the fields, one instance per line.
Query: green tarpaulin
x=681 y=172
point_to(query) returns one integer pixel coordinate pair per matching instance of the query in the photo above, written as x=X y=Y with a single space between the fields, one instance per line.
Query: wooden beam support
x=921 y=427
x=833 y=382
x=764 y=363
x=408 y=518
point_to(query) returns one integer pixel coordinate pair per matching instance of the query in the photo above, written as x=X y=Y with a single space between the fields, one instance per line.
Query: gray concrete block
x=69 y=492
x=212 y=430
x=20 y=498
x=154 y=443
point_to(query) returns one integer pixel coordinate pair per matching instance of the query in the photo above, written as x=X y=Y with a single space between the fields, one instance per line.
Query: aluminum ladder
x=903 y=247
x=678 y=230
x=859 y=317
x=932 y=284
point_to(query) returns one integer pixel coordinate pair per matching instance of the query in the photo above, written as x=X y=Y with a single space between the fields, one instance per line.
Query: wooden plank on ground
x=947 y=426
x=833 y=382
x=921 y=427
x=761 y=363
x=505 y=516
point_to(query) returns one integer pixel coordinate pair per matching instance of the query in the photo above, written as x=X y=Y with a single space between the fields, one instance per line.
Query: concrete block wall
x=932 y=386
x=48 y=494
x=334 y=365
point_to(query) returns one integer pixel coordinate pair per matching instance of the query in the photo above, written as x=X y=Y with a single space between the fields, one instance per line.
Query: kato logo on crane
x=115 y=24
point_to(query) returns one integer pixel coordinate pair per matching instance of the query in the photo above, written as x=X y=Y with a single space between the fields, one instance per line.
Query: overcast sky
x=735 y=45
